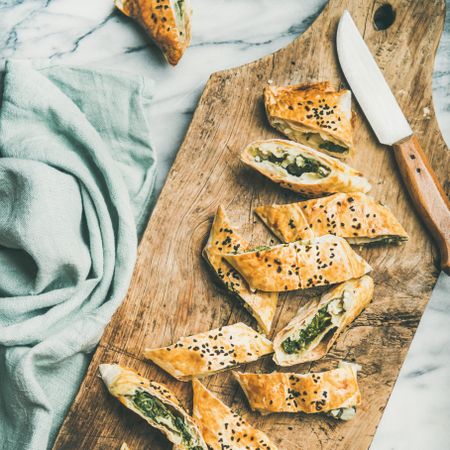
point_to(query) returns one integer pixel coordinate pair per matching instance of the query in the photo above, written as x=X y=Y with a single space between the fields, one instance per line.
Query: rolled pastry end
x=109 y=372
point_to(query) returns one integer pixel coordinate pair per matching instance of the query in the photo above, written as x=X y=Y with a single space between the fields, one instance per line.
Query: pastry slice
x=300 y=265
x=302 y=169
x=313 y=114
x=155 y=403
x=211 y=352
x=224 y=239
x=221 y=427
x=167 y=22
x=312 y=333
x=335 y=392
x=356 y=217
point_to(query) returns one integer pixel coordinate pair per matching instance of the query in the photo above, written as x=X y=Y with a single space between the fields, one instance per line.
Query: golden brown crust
x=210 y=352
x=125 y=382
x=315 y=108
x=223 y=239
x=356 y=295
x=221 y=427
x=309 y=393
x=158 y=19
x=300 y=265
x=342 y=178
x=355 y=217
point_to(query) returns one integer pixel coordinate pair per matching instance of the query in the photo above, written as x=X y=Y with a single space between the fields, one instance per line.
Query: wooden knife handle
x=427 y=194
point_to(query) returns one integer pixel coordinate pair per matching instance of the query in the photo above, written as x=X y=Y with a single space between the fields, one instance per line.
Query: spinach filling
x=295 y=165
x=319 y=323
x=332 y=147
x=157 y=411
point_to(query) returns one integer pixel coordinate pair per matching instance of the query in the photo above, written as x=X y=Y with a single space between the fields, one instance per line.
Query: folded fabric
x=76 y=173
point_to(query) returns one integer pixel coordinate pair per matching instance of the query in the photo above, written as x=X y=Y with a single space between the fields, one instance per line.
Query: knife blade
x=391 y=128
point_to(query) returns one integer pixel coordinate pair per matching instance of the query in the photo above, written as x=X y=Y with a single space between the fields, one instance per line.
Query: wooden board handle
x=427 y=194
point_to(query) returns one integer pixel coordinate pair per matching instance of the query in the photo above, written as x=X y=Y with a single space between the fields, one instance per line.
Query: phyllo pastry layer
x=155 y=403
x=221 y=427
x=313 y=114
x=302 y=169
x=167 y=22
x=335 y=392
x=356 y=217
x=311 y=334
x=300 y=265
x=206 y=353
x=223 y=239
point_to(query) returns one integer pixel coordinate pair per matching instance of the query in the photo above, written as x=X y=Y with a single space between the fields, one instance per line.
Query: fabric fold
x=76 y=174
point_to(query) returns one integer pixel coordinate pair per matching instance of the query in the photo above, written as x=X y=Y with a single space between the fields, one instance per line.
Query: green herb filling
x=294 y=165
x=332 y=147
x=157 y=411
x=319 y=323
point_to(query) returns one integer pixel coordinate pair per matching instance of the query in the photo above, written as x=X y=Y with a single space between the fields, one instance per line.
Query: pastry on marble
x=302 y=169
x=167 y=22
x=299 y=265
x=334 y=392
x=221 y=427
x=155 y=403
x=224 y=239
x=356 y=217
x=207 y=353
x=311 y=334
x=313 y=114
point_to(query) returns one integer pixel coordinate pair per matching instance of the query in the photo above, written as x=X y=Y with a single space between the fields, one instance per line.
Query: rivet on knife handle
x=426 y=193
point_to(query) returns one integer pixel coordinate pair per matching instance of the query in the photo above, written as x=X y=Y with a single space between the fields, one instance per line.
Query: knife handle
x=427 y=194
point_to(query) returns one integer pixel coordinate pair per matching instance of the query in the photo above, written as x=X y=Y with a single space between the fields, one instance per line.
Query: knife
x=391 y=128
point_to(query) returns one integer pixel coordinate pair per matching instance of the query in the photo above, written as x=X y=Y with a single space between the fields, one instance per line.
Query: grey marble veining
x=228 y=33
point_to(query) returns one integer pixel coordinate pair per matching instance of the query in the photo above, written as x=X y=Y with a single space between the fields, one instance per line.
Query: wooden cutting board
x=173 y=293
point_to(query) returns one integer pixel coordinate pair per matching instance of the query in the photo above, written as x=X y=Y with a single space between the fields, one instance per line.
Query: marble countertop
x=88 y=32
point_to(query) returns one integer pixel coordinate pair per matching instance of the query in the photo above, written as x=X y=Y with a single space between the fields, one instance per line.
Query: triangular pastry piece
x=167 y=22
x=223 y=239
x=221 y=427
x=313 y=114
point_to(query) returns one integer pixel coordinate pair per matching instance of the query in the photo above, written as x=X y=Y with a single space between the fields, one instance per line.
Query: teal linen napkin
x=76 y=173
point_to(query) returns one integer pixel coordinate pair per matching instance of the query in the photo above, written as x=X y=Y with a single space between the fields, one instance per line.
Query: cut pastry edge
x=260 y=305
x=344 y=303
x=138 y=394
x=302 y=169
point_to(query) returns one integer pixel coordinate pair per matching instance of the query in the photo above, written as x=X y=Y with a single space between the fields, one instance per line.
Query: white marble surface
x=90 y=32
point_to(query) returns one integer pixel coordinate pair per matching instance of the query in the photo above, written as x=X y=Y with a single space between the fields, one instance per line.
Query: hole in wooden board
x=384 y=17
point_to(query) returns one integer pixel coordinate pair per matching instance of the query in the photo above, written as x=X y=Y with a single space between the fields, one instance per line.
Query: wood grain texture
x=174 y=294
x=426 y=193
